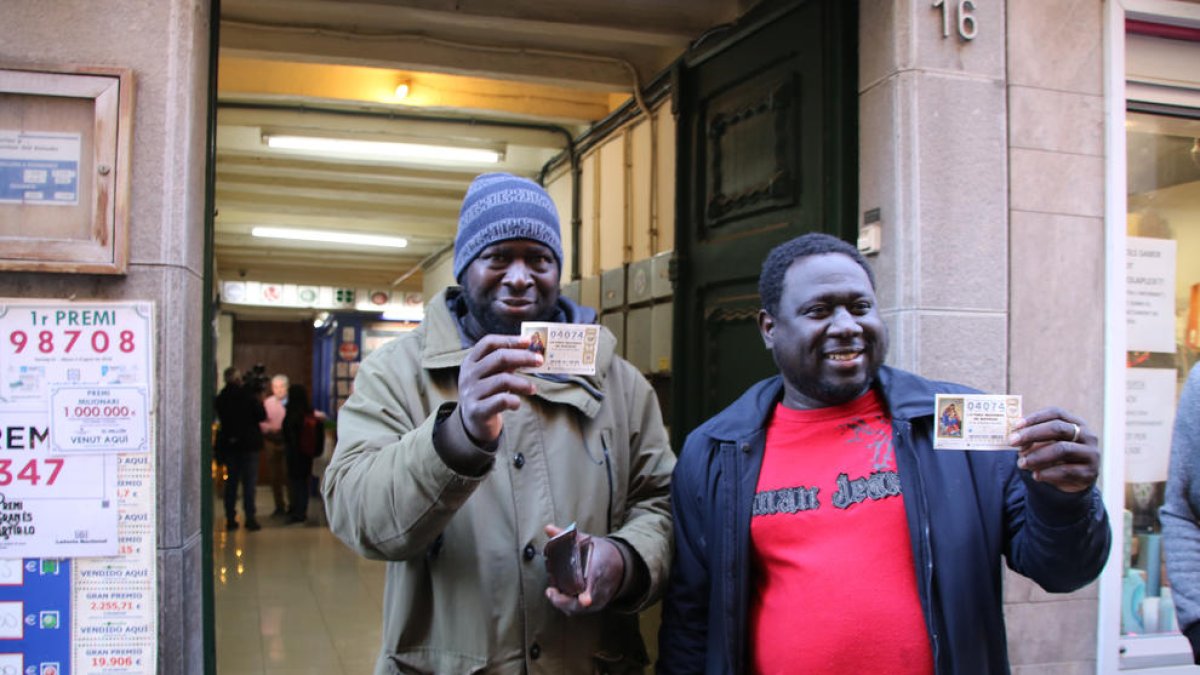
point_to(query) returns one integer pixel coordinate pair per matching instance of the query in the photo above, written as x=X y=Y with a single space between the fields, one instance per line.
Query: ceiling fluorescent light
x=383 y=149
x=328 y=236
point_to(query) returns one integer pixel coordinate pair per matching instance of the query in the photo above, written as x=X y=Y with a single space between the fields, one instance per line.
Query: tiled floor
x=293 y=599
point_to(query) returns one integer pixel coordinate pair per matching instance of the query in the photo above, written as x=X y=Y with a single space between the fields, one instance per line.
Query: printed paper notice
x=39 y=167
x=74 y=379
x=99 y=419
x=86 y=365
x=1149 y=416
x=1150 y=294
x=50 y=506
x=77 y=469
x=116 y=613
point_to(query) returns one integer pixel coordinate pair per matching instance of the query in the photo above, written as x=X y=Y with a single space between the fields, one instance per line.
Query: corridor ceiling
x=513 y=76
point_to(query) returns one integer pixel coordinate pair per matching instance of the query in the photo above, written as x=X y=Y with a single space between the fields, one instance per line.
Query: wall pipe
x=640 y=104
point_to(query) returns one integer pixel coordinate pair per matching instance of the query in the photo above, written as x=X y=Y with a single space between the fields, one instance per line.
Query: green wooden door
x=767 y=124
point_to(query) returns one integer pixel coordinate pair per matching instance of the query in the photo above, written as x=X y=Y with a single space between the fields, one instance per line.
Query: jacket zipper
x=905 y=429
x=611 y=488
x=732 y=467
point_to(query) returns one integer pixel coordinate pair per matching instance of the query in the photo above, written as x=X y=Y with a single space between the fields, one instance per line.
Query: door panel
x=767 y=151
x=732 y=349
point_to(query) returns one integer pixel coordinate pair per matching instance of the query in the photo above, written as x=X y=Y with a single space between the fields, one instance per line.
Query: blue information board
x=29 y=181
x=39 y=168
x=35 y=616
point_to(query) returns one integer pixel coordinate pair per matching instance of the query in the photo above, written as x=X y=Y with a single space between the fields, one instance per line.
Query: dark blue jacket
x=965 y=510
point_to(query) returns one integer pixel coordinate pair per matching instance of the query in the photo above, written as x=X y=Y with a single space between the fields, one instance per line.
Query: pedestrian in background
x=272 y=430
x=1180 y=513
x=299 y=463
x=240 y=410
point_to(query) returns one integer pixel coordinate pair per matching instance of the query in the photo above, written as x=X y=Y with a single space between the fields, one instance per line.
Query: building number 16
x=965 y=9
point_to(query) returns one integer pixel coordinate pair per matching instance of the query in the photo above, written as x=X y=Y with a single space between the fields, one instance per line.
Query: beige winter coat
x=462 y=594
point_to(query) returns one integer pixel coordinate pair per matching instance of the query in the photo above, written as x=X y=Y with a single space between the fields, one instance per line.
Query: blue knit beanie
x=501 y=206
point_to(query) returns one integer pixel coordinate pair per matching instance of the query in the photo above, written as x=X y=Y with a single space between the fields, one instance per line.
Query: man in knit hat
x=457 y=468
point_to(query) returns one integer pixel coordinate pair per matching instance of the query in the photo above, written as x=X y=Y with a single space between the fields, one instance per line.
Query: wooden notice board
x=64 y=169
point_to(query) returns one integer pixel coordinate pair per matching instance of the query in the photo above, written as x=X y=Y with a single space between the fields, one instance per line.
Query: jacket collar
x=906 y=395
x=446 y=347
x=748 y=414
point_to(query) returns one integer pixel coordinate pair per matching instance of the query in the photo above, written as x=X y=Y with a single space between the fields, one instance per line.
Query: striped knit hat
x=501 y=206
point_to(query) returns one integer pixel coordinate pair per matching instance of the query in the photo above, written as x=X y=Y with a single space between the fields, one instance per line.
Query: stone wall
x=165 y=43
x=1056 y=270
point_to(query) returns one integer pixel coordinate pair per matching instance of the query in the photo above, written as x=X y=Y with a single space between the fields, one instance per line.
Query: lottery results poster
x=78 y=587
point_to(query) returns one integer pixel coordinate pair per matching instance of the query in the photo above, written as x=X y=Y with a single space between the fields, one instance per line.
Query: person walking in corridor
x=299 y=462
x=240 y=439
x=272 y=430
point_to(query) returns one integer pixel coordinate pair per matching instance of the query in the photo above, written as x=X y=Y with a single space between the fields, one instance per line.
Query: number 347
x=965 y=11
x=29 y=473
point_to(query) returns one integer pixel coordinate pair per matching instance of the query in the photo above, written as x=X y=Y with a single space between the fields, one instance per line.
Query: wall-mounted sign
x=1149 y=414
x=961 y=13
x=99 y=420
x=348 y=351
x=35 y=616
x=65 y=148
x=402 y=306
x=39 y=168
x=77 y=485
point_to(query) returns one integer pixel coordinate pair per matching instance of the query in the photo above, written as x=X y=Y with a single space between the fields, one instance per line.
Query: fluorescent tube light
x=383 y=149
x=330 y=237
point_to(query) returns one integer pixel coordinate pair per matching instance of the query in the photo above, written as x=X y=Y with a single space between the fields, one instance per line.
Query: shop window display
x=1163 y=342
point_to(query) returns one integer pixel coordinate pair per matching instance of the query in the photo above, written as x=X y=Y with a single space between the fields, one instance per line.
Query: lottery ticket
x=567 y=348
x=975 y=421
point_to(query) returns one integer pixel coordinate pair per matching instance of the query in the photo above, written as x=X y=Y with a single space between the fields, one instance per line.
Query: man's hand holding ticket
x=1054 y=446
x=566 y=348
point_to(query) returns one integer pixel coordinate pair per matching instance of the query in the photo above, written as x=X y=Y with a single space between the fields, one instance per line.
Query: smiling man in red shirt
x=818 y=531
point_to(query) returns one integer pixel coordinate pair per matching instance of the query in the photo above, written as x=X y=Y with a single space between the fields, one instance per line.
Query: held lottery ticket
x=975 y=421
x=567 y=348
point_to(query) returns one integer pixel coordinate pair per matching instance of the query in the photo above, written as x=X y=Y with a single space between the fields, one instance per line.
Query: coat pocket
x=434 y=662
x=612 y=663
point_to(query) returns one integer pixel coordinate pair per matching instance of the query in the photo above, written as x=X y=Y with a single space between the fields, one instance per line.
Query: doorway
x=525 y=89
x=767 y=151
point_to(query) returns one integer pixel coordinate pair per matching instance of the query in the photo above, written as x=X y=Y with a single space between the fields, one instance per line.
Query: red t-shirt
x=834 y=587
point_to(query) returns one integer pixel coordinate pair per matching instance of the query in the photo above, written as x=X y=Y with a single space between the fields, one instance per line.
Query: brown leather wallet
x=567 y=555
